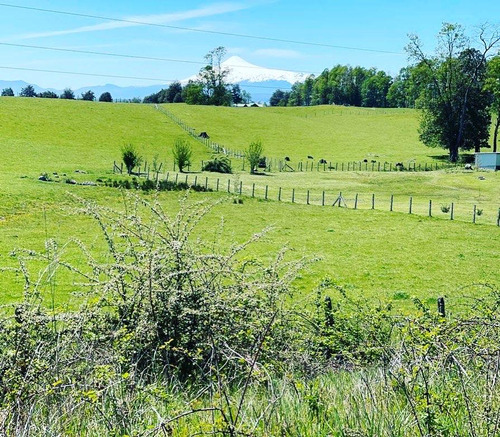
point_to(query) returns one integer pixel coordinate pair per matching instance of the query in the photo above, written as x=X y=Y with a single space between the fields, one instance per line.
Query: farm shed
x=488 y=161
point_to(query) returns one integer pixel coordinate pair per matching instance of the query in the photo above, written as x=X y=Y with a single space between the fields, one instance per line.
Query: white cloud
x=278 y=53
x=134 y=21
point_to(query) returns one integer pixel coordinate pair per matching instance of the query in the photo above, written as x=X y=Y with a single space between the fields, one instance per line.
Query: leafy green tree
x=454 y=104
x=253 y=154
x=68 y=94
x=493 y=87
x=48 y=95
x=105 y=97
x=246 y=96
x=279 y=98
x=88 y=95
x=28 y=91
x=374 y=90
x=307 y=91
x=236 y=95
x=182 y=153
x=7 y=92
x=213 y=78
x=173 y=91
x=193 y=94
x=130 y=157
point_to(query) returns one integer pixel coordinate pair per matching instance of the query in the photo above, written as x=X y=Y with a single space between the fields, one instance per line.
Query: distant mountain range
x=260 y=82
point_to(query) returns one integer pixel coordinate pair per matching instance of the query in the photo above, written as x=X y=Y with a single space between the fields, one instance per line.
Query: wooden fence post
x=498 y=217
x=356 y=201
x=279 y=195
x=452 y=211
x=293 y=195
x=229 y=185
x=196 y=180
x=308 y=196
x=241 y=187
x=217 y=189
x=323 y=199
x=441 y=307
x=176 y=178
x=373 y=201
x=206 y=184
x=253 y=190
x=267 y=189
x=392 y=202
x=474 y=214
x=411 y=205
x=430 y=208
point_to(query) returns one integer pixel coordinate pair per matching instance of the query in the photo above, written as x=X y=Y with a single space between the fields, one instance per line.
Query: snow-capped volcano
x=243 y=71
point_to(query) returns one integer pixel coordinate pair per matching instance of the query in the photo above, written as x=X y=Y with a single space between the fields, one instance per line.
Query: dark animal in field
x=468 y=167
x=322 y=161
x=204 y=135
x=287 y=158
x=309 y=157
x=399 y=164
x=365 y=160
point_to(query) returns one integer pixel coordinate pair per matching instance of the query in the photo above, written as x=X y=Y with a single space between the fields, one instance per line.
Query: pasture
x=375 y=254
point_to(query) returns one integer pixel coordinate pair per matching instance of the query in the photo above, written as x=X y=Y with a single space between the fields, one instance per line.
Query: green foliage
x=173 y=94
x=492 y=85
x=454 y=102
x=48 y=95
x=253 y=154
x=279 y=98
x=68 y=94
x=149 y=185
x=28 y=91
x=182 y=153
x=7 y=92
x=213 y=79
x=219 y=164
x=105 y=97
x=88 y=95
x=131 y=157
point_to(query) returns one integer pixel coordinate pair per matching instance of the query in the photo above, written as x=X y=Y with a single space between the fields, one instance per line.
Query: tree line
x=457 y=89
x=68 y=94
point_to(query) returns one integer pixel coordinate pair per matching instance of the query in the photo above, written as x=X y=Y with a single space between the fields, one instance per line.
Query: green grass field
x=377 y=254
x=325 y=132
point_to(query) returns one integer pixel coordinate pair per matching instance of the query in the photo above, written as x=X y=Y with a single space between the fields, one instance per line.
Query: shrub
x=131 y=157
x=220 y=164
x=182 y=153
x=253 y=154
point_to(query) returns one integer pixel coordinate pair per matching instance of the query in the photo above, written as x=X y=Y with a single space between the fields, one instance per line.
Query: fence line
x=284 y=165
x=321 y=198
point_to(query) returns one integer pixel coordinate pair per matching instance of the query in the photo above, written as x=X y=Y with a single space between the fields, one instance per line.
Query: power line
x=120 y=55
x=213 y=32
x=75 y=73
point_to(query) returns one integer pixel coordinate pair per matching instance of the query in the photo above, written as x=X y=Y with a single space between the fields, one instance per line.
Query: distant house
x=249 y=105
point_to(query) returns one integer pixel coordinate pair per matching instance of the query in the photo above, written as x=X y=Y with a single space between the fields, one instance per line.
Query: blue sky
x=365 y=24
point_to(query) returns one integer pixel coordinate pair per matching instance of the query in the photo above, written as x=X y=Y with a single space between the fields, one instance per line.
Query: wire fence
x=465 y=212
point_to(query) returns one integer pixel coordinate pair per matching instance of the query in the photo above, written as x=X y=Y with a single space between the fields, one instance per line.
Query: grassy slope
x=329 y=132
x=375 y=253
x=43 y=135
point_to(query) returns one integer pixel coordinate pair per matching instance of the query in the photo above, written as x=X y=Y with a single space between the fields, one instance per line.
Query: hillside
x=329 y=132
x=361 y=249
